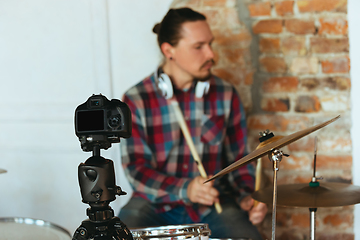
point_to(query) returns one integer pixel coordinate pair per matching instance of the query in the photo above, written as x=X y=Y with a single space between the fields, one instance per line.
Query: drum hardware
x=313 y=183
x=272 y=150
x=2 y=171
x=266 y=137
x=312 y=195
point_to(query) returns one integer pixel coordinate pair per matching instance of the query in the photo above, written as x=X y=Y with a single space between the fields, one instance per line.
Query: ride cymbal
x=304 y=195
x=270 y=147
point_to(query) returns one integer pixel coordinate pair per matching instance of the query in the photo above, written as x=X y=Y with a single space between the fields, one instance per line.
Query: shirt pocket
x=213 y=129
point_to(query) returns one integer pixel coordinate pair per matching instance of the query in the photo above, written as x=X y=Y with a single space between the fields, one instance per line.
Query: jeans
x=233 y=222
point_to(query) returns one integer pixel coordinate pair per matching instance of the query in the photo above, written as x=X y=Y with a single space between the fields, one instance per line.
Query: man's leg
x=139 y=213
x=233 y=222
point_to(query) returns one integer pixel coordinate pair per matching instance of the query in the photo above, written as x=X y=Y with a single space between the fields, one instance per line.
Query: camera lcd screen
x=90 y=120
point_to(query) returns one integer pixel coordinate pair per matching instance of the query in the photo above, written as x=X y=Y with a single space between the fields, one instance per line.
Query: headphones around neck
x=165 y=85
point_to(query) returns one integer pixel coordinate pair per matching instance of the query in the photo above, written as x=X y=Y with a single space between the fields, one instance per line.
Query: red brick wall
x=289 y=59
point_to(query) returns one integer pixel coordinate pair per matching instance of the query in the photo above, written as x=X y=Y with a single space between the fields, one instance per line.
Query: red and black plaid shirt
x=156 y=158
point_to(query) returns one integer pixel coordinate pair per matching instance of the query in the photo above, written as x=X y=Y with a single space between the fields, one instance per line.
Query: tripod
x=98 y=189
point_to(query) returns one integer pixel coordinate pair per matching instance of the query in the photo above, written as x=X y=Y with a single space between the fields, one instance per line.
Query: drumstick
x=190 y=142
x=258 y=178
x=258 y=175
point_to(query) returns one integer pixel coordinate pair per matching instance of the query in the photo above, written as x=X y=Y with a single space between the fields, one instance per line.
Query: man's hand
x=198 y=192
x=257 y=213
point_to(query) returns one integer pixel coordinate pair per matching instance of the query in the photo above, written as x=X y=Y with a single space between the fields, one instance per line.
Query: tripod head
x=99 y=123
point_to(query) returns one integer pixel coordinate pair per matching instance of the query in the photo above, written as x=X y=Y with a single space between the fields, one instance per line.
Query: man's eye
x=198 y=47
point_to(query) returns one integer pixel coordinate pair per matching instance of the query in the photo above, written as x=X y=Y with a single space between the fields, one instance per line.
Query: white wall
x=54 y=55
x=134 y=51
x=354 y=38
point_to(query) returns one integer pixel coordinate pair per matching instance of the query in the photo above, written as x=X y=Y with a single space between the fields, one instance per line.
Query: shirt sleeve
x=243 y=178
x=140 y=166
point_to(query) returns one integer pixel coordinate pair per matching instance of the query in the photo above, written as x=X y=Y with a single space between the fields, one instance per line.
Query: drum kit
x=312 y=195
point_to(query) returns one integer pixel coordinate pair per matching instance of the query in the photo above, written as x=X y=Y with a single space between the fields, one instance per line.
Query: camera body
x=101 y=122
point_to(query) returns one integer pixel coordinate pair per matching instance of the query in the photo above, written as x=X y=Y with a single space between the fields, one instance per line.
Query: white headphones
x=166 y=87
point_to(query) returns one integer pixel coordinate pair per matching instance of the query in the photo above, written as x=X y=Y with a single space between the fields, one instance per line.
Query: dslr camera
x=100 y=122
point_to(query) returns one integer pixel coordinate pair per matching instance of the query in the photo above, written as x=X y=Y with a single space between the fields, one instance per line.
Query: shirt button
x=185 y=166
x=187 y=118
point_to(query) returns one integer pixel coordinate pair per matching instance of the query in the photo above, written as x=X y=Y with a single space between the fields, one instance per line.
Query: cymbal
x=302 y=195
x=2 y=170
x=268 y=141
x=260 y=152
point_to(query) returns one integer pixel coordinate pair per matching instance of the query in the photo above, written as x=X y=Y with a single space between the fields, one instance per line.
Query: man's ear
x=167 y=50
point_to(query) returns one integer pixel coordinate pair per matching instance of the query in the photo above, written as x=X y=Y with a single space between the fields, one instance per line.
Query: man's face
x=193 y=53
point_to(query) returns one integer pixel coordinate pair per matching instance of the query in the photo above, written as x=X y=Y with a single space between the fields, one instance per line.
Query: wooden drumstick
x=190 y=142
x=258 y=175
x=258 y=178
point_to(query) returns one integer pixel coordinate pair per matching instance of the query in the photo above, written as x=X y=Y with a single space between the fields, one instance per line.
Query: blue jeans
x=233 y=222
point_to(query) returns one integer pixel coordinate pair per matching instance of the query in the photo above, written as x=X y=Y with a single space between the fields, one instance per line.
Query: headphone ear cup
x=201 y=88
x=165 y=86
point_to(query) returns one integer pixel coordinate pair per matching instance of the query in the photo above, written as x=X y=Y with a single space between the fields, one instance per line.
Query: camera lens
x=114 y=121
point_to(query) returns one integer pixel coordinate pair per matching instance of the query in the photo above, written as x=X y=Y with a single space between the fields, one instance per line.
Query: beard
x=206 y=77
x=203 y=78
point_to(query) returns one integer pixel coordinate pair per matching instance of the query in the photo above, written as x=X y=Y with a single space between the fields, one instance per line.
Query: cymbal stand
x=312 y=223
x=313 y=183
x=275 y=156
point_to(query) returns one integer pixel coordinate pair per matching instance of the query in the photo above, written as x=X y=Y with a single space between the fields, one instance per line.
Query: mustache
x=207 y=62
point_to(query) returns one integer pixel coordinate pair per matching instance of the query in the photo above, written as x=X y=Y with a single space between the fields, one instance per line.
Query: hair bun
x=156 y=28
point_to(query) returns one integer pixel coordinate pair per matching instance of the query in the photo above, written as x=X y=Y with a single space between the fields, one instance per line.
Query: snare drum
x=31 y=229
x=189 y=231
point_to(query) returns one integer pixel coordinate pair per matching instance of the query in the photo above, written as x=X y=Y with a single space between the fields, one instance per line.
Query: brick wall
x=289 y=59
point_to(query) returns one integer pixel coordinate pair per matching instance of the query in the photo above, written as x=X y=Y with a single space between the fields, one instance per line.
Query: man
x=168 y=189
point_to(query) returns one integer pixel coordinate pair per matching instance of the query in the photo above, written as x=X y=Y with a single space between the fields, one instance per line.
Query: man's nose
x=209 y=52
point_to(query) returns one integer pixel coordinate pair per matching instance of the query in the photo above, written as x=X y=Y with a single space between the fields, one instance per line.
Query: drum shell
x=18 y=228
x=187 y=231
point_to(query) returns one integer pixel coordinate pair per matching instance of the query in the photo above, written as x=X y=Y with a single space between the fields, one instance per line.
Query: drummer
x=168 y=189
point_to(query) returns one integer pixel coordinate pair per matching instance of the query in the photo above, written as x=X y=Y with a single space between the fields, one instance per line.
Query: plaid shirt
x=157 y=160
